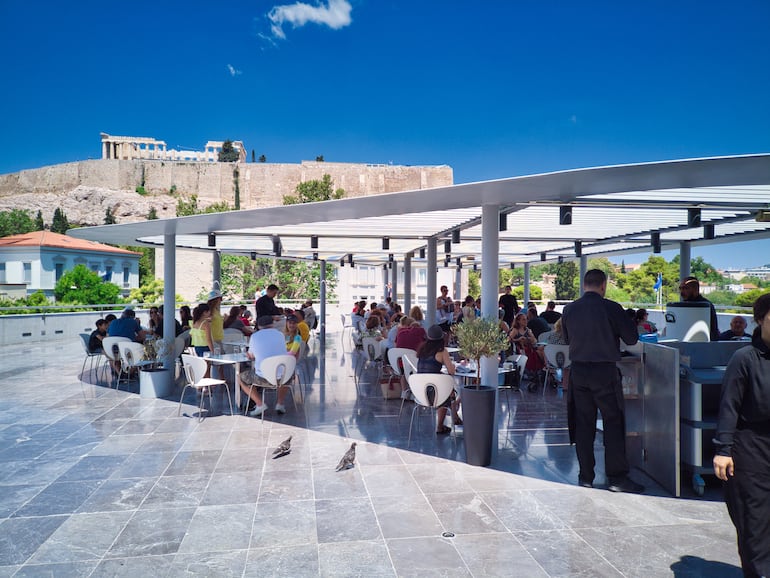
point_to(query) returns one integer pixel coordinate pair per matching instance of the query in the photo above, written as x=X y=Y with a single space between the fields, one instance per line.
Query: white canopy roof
x=617 y=209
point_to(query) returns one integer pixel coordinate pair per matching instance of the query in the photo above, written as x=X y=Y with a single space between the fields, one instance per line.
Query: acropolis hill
x=85 y=189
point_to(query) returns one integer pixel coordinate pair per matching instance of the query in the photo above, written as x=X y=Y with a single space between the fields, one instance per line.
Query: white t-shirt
x=266 y=343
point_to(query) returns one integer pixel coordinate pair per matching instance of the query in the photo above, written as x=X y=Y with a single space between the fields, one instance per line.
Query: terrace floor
x=99 y=482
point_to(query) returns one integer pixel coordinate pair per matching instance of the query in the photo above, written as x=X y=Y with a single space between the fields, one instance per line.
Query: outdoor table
x=231 y=359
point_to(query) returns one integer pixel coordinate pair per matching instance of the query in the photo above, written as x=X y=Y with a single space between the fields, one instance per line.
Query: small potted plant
x=479 y=338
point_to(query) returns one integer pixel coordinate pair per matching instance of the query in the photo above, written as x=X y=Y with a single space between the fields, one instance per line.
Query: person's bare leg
x=251 y=392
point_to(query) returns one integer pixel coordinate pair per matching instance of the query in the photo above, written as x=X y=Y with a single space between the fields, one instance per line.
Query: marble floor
x=99 y=482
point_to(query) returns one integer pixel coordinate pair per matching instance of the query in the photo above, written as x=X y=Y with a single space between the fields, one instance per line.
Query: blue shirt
x=124 y=327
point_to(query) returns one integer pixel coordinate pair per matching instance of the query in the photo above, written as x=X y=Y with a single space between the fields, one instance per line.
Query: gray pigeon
x=283 y=449
x=348 y=460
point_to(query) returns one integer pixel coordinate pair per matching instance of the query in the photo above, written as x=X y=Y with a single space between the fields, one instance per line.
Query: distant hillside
x=86 y=189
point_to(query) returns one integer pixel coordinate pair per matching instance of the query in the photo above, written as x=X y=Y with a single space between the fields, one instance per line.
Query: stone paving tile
x=99 y=482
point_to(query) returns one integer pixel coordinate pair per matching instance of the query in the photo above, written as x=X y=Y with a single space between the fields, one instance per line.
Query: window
x=2 y=273
x=108 y=274
x=28 y=273
x=59 y=267
x=126 y=276
x=422 y=276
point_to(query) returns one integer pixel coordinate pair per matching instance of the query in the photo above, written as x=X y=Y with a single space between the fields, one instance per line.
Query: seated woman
x=233 y=321
x=416 y=314
x=185 y=317
x=644 y=326
x=292 y=336
x=523 y=340
x=200 y=333
x=469 y=308
x=431 y=357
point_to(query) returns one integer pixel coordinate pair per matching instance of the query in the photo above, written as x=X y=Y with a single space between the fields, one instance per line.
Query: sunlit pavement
x=99 y=482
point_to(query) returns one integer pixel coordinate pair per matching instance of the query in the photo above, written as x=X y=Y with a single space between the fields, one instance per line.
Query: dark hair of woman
x=640 y=313
x=430 y=348
x=235 y=313
x=199 y=311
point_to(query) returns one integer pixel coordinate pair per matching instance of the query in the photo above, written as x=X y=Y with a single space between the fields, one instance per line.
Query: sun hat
x=435 y=333
x=215 y=294
x=265 y=321
x=292 y=317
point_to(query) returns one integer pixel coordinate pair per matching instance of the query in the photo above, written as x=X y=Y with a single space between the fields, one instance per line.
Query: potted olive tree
x=479 y=338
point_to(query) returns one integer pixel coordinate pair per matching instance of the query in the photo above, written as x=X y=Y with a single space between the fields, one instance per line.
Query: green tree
x=262 y=158
x=150 y=293
x=60 y=223
x=535 y=293
x=186 y=206
x=566 y=279
x=313 y=191
x=152 y=215
x=252 y=156
x=237 y=188
x=638 y=284
x=747 y=299
x=229 y=153
x=83 y=286
x=705 y=272
x=16 y=222
x=319 y=159
x=109 y=217
x=39 y=223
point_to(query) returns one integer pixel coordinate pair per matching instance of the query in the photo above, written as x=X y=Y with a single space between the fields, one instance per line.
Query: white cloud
x=233 y=71
x=335 y=14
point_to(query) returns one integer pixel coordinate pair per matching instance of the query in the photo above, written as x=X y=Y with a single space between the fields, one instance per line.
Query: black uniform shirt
x=745 y=401
x=266 y=306
x=593 y=327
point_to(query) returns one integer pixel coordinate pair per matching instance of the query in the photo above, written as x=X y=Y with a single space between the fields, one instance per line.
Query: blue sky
x=494 y=89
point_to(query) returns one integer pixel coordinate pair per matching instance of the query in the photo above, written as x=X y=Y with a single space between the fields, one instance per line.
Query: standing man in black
x=265 y=305
x=593 y=327
x=689 y=290
x=509 y=305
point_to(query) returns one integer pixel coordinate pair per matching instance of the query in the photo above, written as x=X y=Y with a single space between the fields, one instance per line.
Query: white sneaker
x=258 y=411
x=280 y=408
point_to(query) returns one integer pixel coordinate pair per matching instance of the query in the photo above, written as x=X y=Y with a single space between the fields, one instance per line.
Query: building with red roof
x=35 y=261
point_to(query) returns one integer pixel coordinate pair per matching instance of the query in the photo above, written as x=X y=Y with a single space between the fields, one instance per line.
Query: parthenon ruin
x=129 y=147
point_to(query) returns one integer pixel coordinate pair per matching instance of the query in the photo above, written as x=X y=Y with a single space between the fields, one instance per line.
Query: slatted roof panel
x=614 y=209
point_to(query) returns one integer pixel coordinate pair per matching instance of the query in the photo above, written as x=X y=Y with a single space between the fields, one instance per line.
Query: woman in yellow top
x=200 y=333
x=217 y=322
x=293 y=338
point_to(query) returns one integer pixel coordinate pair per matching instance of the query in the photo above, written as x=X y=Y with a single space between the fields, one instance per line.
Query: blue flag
x=659 y=282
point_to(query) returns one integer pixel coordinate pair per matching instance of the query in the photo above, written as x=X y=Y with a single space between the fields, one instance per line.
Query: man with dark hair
x=97 y=335
x=265 y=305
x=509 y=305
x=593 y=326
x=537 y=324
x=127 y=325
x=159 y=327
x=689 y=290
x=550 y=314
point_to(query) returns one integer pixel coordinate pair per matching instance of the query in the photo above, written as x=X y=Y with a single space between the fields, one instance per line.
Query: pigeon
x=348 y=459
x=283 y=449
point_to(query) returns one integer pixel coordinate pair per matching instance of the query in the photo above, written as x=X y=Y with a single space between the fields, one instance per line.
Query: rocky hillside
x=88 y=205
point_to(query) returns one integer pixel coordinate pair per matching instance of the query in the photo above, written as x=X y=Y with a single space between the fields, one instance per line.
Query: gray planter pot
x=478 y=423
x=156 y=382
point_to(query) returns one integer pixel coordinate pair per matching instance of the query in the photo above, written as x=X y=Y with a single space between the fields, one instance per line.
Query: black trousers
x=747 y=495
x=598 y=386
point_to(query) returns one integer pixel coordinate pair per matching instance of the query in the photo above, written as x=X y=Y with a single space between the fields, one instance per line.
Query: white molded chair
x=131 y=356
x=396 y=363
x=556 y=357
x=419 y=383
x=195 y=370
x=92 y=357
x=112 y=353
x=277 y=371
x=372 y=355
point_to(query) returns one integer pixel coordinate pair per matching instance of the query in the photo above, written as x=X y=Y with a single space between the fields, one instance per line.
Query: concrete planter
x=155 y=382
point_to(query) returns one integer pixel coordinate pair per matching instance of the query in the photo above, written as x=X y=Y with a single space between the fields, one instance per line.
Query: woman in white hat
x=217 y=322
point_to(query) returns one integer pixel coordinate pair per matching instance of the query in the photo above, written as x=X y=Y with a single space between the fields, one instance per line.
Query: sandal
x=443 y=430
